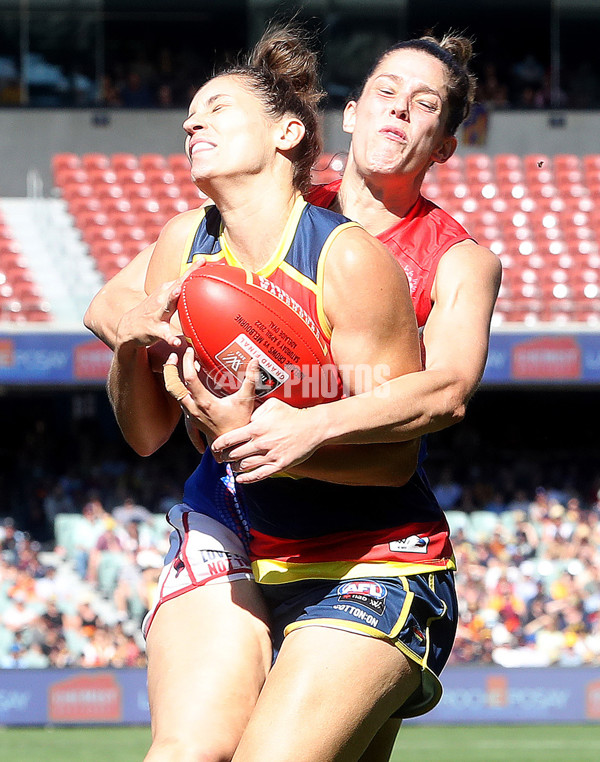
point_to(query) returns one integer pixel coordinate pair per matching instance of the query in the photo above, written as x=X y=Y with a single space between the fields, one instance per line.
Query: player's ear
x=290 y=132
x=349 y=118
x=445 y=150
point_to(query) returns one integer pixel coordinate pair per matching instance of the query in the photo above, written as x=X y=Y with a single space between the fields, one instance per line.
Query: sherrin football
x=230 y=315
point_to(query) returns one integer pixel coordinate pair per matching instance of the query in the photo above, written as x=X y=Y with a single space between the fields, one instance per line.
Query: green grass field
x=524 y=743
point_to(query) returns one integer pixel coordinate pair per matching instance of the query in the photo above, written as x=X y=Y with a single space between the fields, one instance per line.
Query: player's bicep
x=367 y=301
x=456 y=334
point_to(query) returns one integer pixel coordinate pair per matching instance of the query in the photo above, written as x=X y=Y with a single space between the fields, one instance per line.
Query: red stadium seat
x=86 y=219
x=537 y=161
x=155 y=176
x=101 y=248
x=455 y=163
x=78 y=204
x=65 y=175
x=507 y=161
x=95 y=161
x=72 y=191
x=126 y=161
x=178 y=161
x=591 y=161
x=172 y=206
x=65 y=161
x=132 y=190
x=566 y=177
x=120 y=205
x=566 y=161
x=142 y=206
x=108 y=190
x=478 y=161
x=152 y=161
x=101 y=176
x=95 y=234
x=117 y=217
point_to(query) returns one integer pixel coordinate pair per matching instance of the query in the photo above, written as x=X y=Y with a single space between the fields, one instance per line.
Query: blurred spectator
x=9 y=540
x=136 y=92
x=87 y=533
x=492 y=92
x=131 y=511
x=109 y=94
x=17 y=615
x=58 y=501
x=164 y=96
x=447 y=491
x=10 y=92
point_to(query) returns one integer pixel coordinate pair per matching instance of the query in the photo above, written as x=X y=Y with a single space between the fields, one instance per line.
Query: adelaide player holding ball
x=252 y=139
x=405 y=118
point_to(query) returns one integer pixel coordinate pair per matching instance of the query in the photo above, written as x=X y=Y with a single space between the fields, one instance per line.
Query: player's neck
x=377 y=202
x=253 y=223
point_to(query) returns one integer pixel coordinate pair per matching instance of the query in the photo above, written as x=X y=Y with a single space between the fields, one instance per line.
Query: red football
x=230 y=315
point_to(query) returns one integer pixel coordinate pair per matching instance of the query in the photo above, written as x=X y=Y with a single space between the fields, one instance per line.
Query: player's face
x=398 y=122
x=228 y=131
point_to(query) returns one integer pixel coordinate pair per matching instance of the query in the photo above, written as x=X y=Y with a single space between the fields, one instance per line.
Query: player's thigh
x=209 y=652
x=328 y=694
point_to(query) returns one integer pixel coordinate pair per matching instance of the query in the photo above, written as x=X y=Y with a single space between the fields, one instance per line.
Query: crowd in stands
x=528 y=577
x=170 y=76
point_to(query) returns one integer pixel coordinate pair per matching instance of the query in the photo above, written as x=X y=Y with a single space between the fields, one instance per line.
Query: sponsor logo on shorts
x=221 y=562
x=369 y=594
x=357 y=613
x=411 y=544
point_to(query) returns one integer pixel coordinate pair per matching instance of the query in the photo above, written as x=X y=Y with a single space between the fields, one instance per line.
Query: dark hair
x=455 y=52
x=282 y=70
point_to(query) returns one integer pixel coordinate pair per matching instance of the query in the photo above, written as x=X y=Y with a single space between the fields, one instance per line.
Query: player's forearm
x=106 y=309
x=397 y=411
x=145 y=413
x=382 y=465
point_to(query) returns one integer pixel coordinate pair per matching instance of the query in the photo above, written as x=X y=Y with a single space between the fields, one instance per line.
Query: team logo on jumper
x=371 y=595
x=411 y=544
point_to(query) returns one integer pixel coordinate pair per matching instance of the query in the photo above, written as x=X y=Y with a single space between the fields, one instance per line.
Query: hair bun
x=461 y=48
x=284 y=52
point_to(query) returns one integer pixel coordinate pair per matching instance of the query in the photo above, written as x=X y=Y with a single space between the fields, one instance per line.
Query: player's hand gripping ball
x=230 y=315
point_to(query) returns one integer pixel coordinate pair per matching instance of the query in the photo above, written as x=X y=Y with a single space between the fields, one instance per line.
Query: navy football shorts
x=418 y=614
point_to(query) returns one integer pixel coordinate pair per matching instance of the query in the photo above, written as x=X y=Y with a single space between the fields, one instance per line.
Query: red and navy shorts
x=417 y=613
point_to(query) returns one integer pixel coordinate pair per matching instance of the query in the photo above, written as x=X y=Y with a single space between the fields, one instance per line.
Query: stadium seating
x=537 y=212
x=20 y=297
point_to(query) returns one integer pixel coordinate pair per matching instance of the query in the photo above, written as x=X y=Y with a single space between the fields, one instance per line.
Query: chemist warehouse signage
x=543 y=359
x=47 y=358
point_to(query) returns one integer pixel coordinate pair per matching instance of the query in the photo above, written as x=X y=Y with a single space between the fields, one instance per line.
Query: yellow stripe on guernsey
x=269 y=571
x=283 y=246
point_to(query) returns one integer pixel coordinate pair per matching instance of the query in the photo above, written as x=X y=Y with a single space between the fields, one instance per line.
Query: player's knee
x=188 y=750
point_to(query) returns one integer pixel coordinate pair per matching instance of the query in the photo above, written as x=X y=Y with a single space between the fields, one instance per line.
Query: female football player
x=252 y=139
x=453 y=281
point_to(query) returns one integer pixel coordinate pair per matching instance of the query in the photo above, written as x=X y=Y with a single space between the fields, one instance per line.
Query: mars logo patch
x=235 y=358
x=371 y=595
